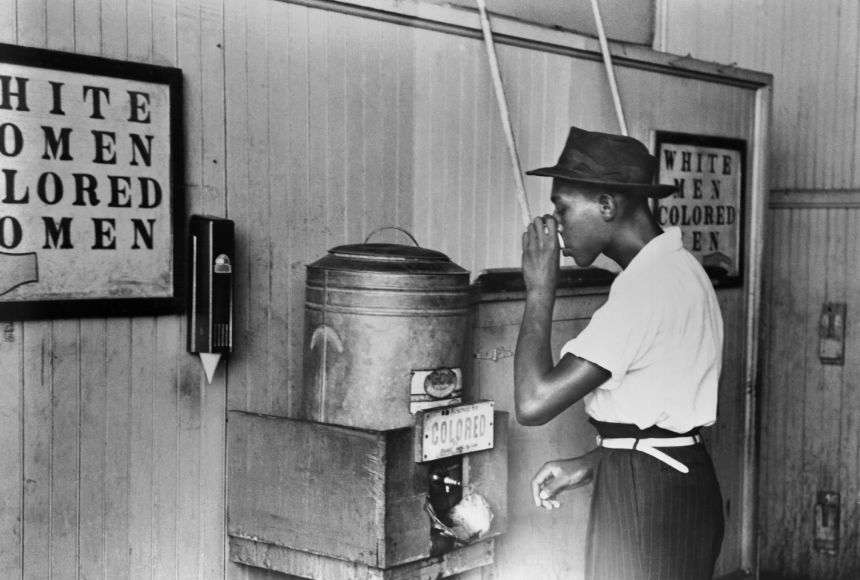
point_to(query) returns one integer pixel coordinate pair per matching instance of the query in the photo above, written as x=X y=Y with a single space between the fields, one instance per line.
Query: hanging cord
x=503 y=110
x=607 y=62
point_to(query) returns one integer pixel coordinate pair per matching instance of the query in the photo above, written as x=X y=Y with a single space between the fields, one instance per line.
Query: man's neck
x=631 y=237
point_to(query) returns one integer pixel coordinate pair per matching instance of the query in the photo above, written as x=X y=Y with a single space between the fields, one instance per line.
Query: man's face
x=581 y=224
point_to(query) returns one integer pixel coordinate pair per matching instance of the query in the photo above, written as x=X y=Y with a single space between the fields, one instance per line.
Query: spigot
x=445 y=480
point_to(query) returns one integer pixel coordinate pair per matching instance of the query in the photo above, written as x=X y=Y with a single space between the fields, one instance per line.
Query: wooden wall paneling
x=141 y=458
x=288 y=136
x=208 y=415
x=725 y=438
x=11 y=450
x=845 y=75
x=852 y=71
x=355 y=193
x=796 y=389
x=445 y=196
x=404 y=105
x=211 y=482
x=87 y=27
x=77 y=28
x=555 y=122
x=324 y=192
x=480 y=112
x=377 y=127
x=236 y=112
x=330 y=97
x=210 y=142
x=59 y=35
x=32 y=24
x=512 y=66
x=169 y=351
x=814 y=391
x=790 y=86
x=767 y=333
x=849 y=444
x=258 y=197
x=117 y=445
x=775 y=391
x=383 y=154
x=430 y=127
x=164 y=35
x=465 y=117
x=139 y=23
x=93 y=427
x=64 y=458
x=190 y=57
x=166 y=511
x=9 y=24
x=37 y=372
x=826 y=443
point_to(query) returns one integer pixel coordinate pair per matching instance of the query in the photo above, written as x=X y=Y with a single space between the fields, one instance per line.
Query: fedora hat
x=615 y=161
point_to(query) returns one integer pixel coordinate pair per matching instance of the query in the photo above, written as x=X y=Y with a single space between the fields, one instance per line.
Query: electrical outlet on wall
x=826 y=535
x=831 y=333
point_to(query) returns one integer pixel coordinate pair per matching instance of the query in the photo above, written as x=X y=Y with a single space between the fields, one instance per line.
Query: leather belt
x=651 y=447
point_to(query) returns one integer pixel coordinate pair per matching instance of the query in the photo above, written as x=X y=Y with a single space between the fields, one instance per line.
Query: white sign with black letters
x=87 y=184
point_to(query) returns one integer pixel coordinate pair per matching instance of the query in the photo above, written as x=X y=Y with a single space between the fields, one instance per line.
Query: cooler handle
x=377 y=230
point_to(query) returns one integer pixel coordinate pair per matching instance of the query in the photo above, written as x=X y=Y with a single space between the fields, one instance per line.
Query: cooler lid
x=383 y=251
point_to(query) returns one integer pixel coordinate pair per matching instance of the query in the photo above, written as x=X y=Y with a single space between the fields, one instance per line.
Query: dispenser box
x=210 y=287
x=326 y=501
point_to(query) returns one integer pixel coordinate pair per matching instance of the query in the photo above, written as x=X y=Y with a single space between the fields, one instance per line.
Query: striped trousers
x=651 y=522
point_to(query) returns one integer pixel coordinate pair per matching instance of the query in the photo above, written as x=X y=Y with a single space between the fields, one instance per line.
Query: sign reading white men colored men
x=89 y=170
x=708 y=204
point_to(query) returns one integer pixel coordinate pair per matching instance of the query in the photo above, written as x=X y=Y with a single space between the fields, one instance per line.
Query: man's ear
x=608 y=206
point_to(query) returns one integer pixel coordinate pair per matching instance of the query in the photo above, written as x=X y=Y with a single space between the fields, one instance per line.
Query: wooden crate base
x=307 y=565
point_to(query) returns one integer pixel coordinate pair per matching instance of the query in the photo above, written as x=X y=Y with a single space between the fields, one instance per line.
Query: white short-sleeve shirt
x=660 y=334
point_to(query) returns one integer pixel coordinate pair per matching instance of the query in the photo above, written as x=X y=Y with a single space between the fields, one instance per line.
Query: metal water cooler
x=393 y=470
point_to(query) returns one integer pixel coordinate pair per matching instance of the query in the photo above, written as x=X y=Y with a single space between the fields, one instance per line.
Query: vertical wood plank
x=32 y=23
x=190 y=544
x=164 y=416
x=238 y=206
x=426 y=87
x=210 y=438
x=37 y=448
x=93 y=461
x=304 y=203
x=354 y=161
x=166 y=510
x=140 y=31
x=825 y=431
x=163 y=32
x=9 y=24
x=405 y=105
x=117 y=445
x=65 y=435
x=771 y=488
x=258 y=135
x=11 y=451
x=60 y=35
x=141 y=458
x=849 y=446
x=87 y=27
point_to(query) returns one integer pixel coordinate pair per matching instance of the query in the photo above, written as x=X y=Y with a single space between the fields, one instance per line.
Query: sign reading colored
x=453 y=430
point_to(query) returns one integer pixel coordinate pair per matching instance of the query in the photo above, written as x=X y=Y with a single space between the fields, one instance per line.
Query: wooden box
x=318 y=500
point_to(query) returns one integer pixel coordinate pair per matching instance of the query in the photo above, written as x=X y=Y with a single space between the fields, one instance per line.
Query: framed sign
x=708 y=206
x=91 y=167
